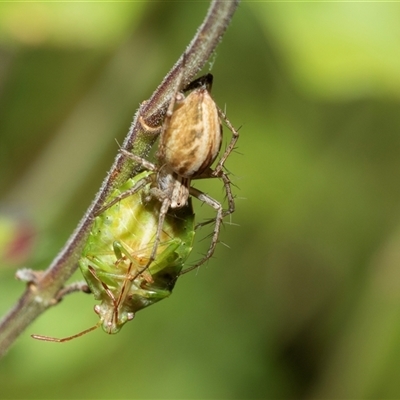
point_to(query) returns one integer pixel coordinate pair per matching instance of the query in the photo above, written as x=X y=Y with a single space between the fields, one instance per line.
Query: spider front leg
x=140 y=160
x=138 y=186
x=161 y=218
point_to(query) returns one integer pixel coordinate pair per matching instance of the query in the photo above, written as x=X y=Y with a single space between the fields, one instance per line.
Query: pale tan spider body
x=192 y=140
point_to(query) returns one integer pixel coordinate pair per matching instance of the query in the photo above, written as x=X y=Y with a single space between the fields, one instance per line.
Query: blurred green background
x=305 y=302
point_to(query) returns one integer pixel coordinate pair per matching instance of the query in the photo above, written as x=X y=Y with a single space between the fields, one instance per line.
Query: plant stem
x=42 y=289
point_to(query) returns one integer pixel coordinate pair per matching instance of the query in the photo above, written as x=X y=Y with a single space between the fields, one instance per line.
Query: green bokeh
x=305 y=301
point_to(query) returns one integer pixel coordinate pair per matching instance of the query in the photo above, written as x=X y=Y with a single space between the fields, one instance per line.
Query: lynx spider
x=189 y=143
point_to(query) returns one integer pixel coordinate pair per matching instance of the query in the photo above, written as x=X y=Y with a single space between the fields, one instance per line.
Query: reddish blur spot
x=16 y=240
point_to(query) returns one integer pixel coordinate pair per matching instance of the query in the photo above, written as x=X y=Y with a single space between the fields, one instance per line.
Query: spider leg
x=228 y=193
x=161 y=218
x=139 y=185
x=218 y=221
x=142 y=161
x=231 y=146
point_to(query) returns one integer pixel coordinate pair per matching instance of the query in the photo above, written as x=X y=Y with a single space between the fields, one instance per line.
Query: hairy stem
x=43 y=289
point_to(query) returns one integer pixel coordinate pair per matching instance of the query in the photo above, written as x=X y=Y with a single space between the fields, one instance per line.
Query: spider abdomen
x=193 y=138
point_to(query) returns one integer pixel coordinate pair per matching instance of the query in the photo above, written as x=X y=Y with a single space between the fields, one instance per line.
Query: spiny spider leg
x=231 y=146
x=218 y=221
x=228 y=192
x=139 y=185
x=229 y=196
x=161 y=218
